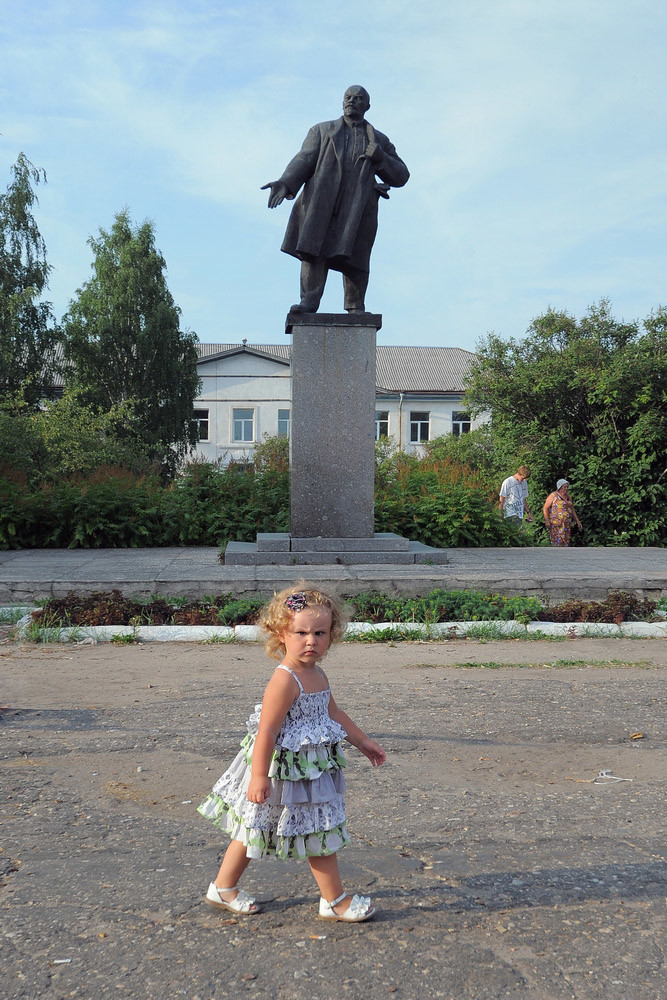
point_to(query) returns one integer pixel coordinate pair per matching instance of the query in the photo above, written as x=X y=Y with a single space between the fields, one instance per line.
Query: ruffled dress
x=304 y=816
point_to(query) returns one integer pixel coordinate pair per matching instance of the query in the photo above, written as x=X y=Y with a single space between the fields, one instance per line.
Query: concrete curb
x=442 y=630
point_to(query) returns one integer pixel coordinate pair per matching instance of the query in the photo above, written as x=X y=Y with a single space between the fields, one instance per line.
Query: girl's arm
x=356 y=736
x=281 y=691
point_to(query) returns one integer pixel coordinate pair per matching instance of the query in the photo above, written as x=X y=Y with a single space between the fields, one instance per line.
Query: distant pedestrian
x=514 y=495
x=283 y=794
x=559 y=513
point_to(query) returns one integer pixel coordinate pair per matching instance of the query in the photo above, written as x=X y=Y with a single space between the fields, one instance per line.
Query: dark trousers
x=314 y=277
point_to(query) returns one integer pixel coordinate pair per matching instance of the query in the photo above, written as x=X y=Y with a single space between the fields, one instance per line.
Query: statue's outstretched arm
x=279 y=191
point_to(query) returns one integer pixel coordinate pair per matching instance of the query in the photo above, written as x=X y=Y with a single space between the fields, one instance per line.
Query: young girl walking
x=283 y=794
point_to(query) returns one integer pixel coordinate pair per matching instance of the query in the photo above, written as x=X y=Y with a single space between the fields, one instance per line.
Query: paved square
x=499 y=866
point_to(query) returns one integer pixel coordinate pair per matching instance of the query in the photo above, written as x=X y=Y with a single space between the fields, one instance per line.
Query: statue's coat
x=330 y=218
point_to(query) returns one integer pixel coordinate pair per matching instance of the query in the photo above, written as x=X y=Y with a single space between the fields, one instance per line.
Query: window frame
x=381 y=417
x=243 y=440
x=284 y=420
x=459 y=418
x=202 y=420
x=419 y=418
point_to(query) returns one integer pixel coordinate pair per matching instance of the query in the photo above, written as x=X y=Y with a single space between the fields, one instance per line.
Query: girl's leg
x=327 y=876
x=232 y=868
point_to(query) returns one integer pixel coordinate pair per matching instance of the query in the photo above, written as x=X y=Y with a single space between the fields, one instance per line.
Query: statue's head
x=356 y=102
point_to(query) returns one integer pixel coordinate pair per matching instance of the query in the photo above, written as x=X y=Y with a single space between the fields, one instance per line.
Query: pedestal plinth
x=332 y=440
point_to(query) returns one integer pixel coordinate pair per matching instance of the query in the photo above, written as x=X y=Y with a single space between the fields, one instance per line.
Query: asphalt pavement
x=513 y=842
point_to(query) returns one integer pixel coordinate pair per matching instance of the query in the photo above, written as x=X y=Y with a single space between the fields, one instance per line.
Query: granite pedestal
x=332 y=453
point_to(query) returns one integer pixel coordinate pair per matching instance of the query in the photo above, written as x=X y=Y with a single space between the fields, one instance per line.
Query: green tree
x=123 y=341
x=585 y=400
x=66 y=438
x=28 y=331
x=80 y=440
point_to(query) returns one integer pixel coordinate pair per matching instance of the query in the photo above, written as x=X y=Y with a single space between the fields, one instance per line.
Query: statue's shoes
x=301 y=307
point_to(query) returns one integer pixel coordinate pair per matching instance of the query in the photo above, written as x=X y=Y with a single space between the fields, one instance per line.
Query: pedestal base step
x=281 y=549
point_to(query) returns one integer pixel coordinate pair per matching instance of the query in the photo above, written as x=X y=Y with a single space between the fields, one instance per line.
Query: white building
x=245 y=396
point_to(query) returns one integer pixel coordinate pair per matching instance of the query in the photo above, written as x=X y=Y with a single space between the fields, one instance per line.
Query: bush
x=112 y=508
x=620 y=606
x=241 y=612
x=271 y=453
x=439 y=502
x=584 y=399
x=113 y=608
x=443 y=606
x=213 y=505
x=436 y=501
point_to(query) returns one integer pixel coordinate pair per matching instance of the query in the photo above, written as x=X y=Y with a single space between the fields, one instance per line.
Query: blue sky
x=534 y=131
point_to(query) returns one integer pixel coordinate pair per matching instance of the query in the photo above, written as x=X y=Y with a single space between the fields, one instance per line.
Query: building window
x=460 y=423
x=200 y=417
x=381 y=424
x=243 y=425
x=283 y=423
x=419 y=423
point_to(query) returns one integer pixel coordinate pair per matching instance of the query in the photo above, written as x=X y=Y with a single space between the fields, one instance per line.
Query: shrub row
x=438 y=502
x=112 y=608
x=114 y=509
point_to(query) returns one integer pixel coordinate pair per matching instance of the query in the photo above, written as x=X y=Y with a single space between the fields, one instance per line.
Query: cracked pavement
x=500 y=866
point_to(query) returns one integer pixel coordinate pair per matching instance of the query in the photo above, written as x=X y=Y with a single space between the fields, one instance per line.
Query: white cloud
x=534 y=131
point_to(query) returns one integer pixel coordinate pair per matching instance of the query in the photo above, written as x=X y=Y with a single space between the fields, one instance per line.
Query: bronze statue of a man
x=334 y=220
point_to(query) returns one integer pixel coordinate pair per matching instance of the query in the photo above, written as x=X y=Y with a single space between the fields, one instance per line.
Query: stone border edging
x=441 y=630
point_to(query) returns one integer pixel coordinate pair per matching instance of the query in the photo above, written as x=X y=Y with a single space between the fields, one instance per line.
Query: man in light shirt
x=514 y=495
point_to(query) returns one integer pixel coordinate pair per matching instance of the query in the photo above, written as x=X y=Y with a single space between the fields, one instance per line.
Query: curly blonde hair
x=275 y=617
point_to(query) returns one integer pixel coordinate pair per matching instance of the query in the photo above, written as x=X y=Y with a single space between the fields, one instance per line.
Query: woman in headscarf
x=559 y=513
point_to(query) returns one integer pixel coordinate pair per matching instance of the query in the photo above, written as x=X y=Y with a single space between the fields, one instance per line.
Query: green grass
x=49 y=630
x=10 y=616
x=478 y=633
x=126 y=639
x=390 y=635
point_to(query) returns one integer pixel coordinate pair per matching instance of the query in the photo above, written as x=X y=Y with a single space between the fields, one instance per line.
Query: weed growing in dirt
x=49 y=629
x=387 y=635
x=126 y=639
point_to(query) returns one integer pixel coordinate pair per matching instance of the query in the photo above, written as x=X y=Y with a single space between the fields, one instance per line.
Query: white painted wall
x=241 y=381
x=246 y=381
x=440 y=418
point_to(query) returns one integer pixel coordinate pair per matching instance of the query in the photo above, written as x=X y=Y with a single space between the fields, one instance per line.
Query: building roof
x=399 y=369
x=281 y=351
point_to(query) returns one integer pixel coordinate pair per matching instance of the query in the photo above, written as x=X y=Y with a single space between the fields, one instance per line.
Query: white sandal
x=360 y=908
x=242 y=902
